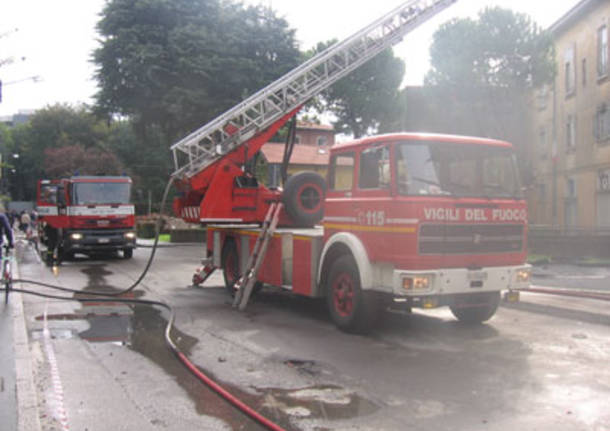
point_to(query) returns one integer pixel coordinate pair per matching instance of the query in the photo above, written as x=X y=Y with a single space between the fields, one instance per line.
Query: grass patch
x=538 y=259
x=594 y=261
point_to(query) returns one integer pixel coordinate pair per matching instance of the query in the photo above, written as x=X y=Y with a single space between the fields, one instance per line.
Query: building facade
x=310 y=153
x=570 y=151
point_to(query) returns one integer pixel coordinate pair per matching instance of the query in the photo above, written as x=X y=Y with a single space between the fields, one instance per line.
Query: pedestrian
x=24 y=222
x=5 y=230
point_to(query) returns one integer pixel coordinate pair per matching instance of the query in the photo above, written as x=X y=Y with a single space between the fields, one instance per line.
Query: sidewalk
x=28 y=418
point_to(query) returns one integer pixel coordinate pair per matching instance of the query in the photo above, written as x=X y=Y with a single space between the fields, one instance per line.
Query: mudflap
x=511 y=296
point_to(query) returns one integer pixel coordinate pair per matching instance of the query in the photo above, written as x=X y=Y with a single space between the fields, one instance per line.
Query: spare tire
x=303 y=198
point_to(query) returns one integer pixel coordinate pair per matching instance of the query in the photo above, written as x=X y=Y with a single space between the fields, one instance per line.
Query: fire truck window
x=374 y=170
x=417 y=170
x=91 y=193
x=48 y=194
x=341 y=176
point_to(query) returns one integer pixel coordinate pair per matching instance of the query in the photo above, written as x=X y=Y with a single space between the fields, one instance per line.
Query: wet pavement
x=540 y=364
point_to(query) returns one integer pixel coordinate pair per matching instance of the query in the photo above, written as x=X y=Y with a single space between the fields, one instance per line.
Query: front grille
x=470 y=239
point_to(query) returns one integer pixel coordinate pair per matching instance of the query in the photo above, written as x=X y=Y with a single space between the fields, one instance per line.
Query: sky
x=51 y=41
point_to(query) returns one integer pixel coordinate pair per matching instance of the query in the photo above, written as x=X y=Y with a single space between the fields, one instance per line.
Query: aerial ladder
x=210 y=163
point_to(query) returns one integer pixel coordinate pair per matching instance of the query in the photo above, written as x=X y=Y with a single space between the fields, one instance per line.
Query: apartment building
x=570 y=150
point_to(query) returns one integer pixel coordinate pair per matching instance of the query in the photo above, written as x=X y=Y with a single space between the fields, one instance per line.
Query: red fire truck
x=412 y=219
x=409 y=219
x=86 y=214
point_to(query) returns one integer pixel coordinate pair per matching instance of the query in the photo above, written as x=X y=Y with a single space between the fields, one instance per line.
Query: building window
x=543 y=148
x=603 y=198
x=584 y=72
x=602 y=123
x=542 y=96
x=602 y=51
x=322 y=140
x=542 y=192
x=571 y=203
x=571 y=133
x=570 y=71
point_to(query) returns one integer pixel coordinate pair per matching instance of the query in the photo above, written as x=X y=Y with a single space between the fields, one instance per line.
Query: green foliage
x=58 y=141
x=502 y=48
x=174 y=65
x=365 y=97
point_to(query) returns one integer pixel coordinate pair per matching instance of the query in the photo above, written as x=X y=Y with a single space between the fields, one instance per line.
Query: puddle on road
x=141 y=328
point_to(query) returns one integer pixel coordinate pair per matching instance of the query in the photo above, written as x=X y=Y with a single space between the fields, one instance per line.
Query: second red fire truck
x=86 y=214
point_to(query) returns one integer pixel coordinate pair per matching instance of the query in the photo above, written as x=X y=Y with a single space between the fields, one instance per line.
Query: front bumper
x=99 y=240
x=455 y=281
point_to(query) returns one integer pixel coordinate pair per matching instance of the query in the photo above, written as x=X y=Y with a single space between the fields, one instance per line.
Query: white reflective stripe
x=223 y=220
x=190 y=212
x=105 y=210
x=341 y=219
x=401 y=220
x=47 y=211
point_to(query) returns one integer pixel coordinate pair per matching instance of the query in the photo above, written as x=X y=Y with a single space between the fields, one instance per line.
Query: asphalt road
x=540 y=364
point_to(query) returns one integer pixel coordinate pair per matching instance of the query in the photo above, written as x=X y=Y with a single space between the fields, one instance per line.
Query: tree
x=500 y=49
x=481 y=75
x=55 y=135
x=362 y=100
x=177 y=64
x=65 y=161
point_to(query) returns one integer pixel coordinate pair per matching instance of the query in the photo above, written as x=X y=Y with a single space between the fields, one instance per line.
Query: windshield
x=449 y=169
x=100 y=193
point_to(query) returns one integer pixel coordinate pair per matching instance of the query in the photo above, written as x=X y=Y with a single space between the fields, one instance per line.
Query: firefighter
x=52 y=237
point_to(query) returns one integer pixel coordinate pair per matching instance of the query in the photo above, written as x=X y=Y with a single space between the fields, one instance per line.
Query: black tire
x=67 y=256
x=230 y=265
x=484 y=306
x=127 y=253
x=351 y=309
x=303 y=198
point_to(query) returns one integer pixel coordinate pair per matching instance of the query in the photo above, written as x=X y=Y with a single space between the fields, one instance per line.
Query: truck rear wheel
x=476 y=308
x=303 y=198
x=351 y=308
x=230 y=267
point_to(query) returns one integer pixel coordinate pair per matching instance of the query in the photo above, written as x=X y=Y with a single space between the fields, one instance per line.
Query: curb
x=28 y=418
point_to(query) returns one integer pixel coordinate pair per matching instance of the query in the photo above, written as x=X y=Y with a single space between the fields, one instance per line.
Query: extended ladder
x=227 y=132
x=245 y=284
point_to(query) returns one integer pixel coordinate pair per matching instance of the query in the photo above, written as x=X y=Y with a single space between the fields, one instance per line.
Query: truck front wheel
x=476 y=308
x=351 y=308
x=127 y=253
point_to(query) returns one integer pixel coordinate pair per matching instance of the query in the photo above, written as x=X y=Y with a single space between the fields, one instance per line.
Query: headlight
x=420 y=282
x=523 y=275
x=76 y=236
x=130 y=235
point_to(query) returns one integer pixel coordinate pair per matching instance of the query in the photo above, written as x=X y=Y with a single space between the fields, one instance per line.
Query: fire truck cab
x=410 y=220
x=86 y=214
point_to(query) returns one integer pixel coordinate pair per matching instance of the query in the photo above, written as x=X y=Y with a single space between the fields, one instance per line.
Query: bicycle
x=7 y=272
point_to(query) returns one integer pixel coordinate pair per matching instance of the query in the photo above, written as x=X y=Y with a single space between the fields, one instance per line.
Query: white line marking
x=57 y=400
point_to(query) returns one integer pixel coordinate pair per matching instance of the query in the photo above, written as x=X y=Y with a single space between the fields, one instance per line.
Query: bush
x=145 y=230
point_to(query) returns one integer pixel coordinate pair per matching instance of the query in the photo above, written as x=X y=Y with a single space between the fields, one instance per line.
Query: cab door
x=372 y=198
